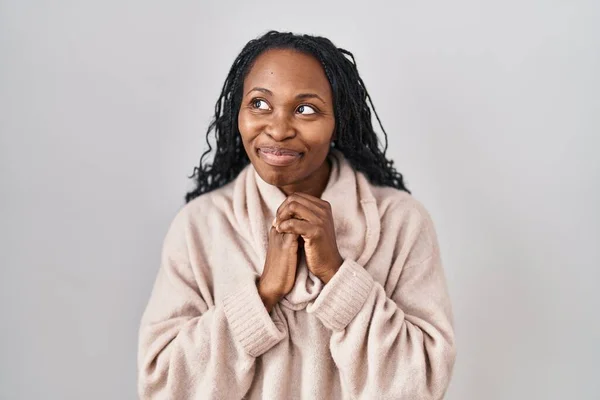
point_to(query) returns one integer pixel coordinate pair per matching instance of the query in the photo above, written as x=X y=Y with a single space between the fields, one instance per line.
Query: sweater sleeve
x=399 y=346
x=190 y=345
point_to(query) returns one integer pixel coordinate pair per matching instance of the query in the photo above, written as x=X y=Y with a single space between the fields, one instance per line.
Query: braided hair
x=355 y=136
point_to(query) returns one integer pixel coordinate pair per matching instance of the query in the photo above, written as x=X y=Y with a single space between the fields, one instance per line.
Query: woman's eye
x=306 y=110
x=260 y=104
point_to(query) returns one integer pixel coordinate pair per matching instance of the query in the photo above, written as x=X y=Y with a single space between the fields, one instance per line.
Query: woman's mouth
x=278 y=157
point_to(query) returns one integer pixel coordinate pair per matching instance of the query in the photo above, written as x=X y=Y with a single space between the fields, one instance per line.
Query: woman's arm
x=188 y=345
x=391 y=347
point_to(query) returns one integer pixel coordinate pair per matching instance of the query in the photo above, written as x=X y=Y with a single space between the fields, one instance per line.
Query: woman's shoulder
x=204 y=206
x=212 y=200
x=393 y=202
x=402 y=213
x=203 y=214
x=208 y=205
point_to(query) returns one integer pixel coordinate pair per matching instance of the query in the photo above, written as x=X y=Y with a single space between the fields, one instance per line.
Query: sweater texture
x=382 y=328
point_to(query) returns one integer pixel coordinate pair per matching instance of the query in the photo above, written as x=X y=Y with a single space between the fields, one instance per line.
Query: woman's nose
x=280 y=128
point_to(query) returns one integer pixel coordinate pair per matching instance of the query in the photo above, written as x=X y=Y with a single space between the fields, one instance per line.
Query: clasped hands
x=301 y=217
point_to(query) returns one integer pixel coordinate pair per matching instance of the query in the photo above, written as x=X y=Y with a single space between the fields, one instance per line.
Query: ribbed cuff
x=343 y=296
x=250 y=323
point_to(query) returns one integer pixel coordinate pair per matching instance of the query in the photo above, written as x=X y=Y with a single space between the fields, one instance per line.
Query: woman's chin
x=276 y=178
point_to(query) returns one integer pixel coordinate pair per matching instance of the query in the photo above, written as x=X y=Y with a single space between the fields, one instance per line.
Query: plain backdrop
x=492 y=111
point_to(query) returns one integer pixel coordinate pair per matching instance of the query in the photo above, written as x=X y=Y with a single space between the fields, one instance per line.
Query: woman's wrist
x=268 y=299
x=328 y=274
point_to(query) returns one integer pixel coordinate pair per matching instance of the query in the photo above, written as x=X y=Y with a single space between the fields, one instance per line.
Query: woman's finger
x=294 y=209
x=308 y=203
x=298 y=227
x=315 y=200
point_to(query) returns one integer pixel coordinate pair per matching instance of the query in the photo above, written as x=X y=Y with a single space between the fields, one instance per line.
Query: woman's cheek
x=319 y=131
x=249 y=125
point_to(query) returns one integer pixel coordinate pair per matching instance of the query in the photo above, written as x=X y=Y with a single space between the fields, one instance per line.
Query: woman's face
x=286 y=120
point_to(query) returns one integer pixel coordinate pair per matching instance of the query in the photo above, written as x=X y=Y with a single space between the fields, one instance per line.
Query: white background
x=492 y=111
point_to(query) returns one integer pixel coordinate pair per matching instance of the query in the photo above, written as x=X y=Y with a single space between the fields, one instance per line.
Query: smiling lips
x=277 y=156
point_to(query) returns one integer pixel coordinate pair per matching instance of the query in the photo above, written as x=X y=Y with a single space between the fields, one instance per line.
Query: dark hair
x=355 y=136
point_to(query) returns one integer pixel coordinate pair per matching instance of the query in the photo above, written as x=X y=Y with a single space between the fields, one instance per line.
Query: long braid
x=355 y=136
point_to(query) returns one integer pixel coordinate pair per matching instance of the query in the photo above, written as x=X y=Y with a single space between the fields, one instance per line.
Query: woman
x=301 y=267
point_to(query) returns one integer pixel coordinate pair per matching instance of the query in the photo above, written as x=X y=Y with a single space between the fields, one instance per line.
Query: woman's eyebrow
x=303 y=96
x=260 y=89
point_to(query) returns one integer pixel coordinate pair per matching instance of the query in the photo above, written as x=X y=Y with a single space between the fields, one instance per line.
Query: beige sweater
x=380 y=329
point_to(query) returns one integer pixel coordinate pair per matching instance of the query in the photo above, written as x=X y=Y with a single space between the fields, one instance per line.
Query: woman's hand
x=311 y=218
x=279 y=273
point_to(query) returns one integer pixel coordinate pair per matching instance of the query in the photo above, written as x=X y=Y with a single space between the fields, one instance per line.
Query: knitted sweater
x=380 y=329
